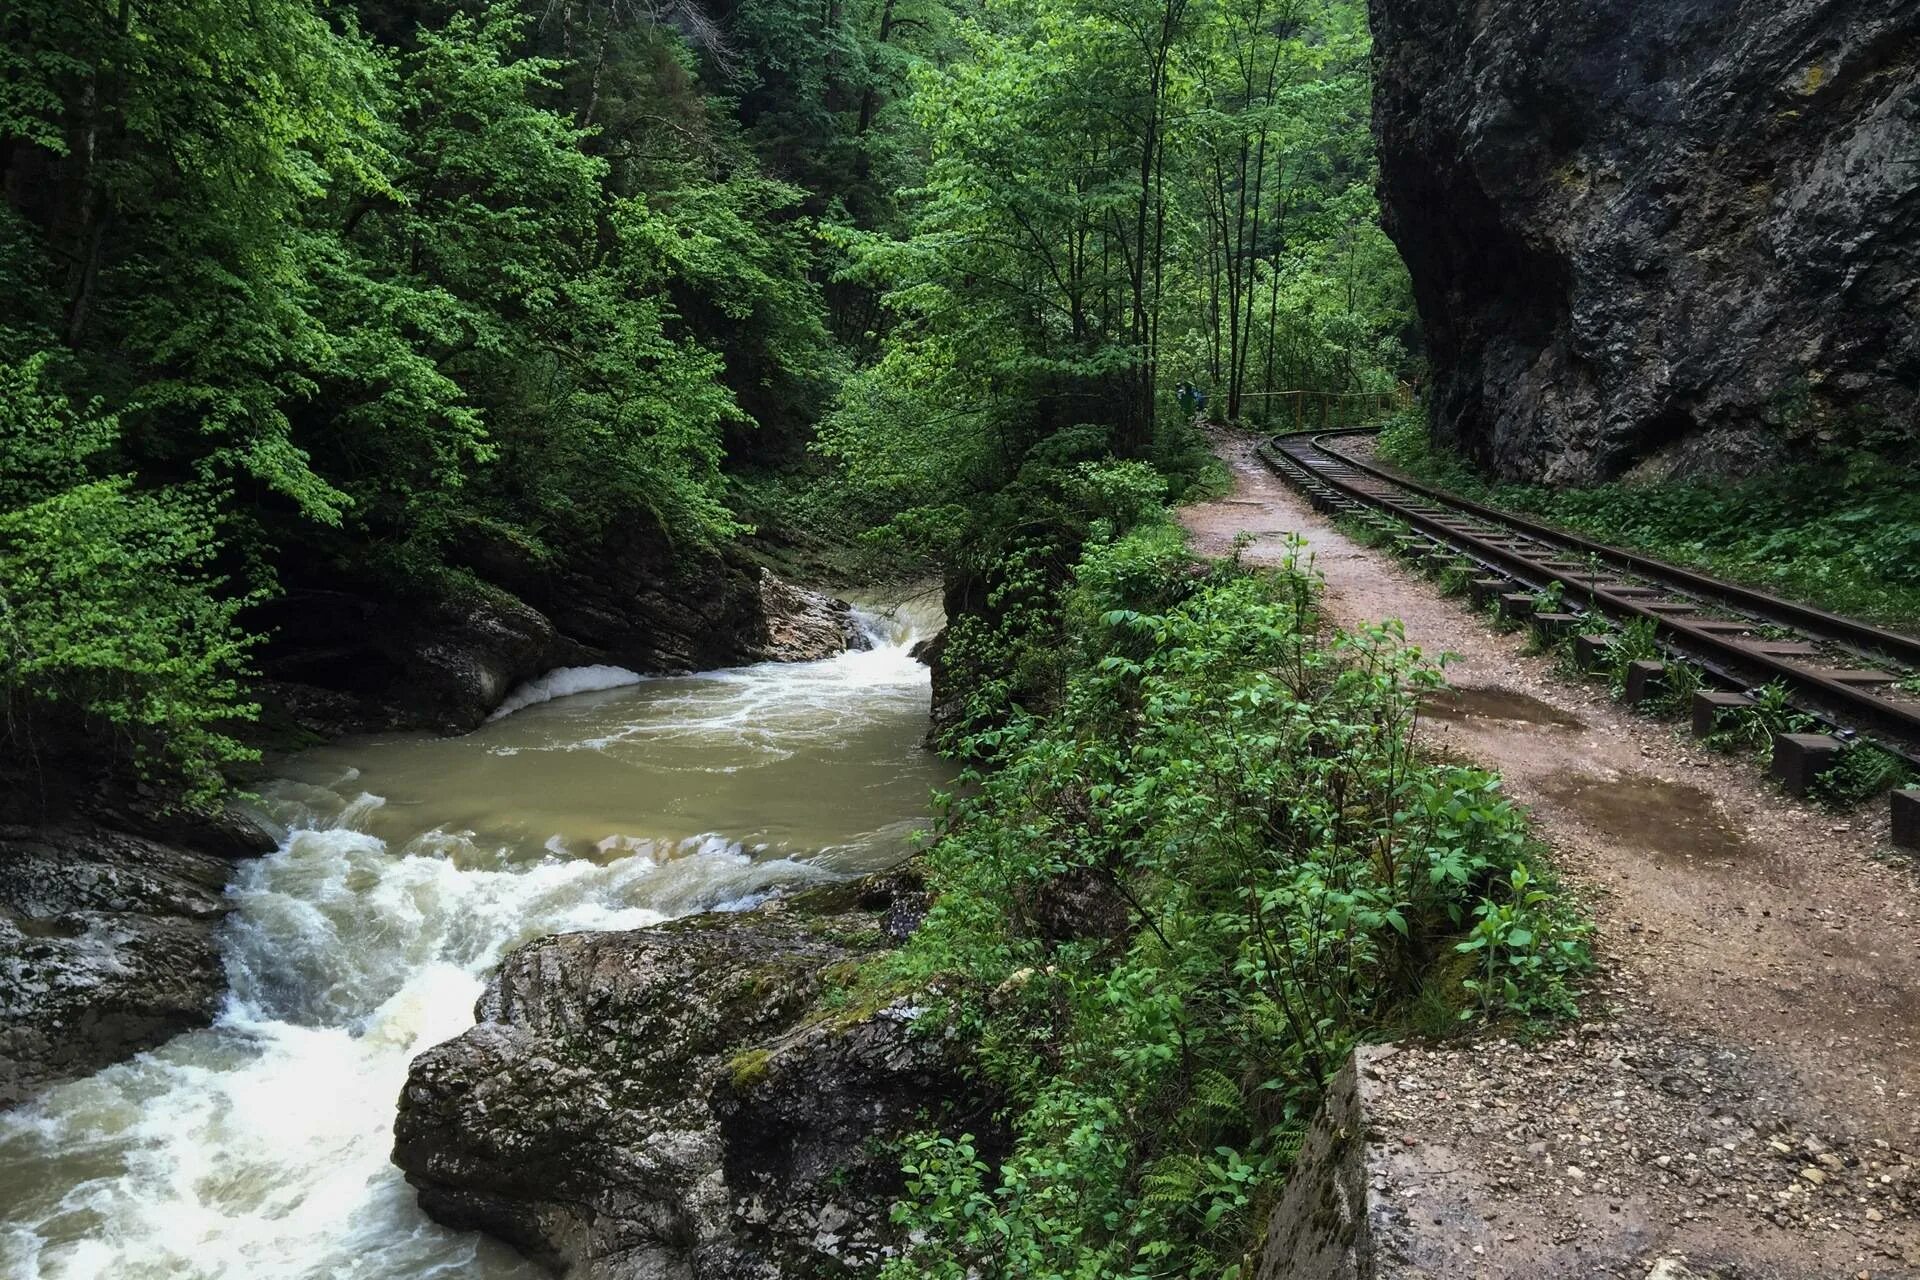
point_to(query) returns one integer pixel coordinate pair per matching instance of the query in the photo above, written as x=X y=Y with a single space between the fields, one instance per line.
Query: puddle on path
x=1463 y=705
x=1676 y=822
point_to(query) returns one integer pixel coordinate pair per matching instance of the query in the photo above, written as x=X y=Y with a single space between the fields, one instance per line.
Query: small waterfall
x=902 y=622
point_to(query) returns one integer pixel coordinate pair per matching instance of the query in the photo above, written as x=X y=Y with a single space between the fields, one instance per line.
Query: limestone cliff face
x=1684 y=232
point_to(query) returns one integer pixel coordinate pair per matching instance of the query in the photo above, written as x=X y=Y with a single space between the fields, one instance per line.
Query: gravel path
x=1746 y=1092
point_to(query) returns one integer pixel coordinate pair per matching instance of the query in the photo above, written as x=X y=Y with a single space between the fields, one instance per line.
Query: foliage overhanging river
x=258 y=1148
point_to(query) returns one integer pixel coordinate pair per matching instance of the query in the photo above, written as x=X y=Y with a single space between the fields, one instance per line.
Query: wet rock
x=636 y=598
x=106 y=949
x=680 y=1101
x=341 y=661
x=470 y=653
x=236 y=829
x=345 y=656
x=949 y=702
x=1678 y=236
x=803 y=625
x=966 y=599
x=1078 y=904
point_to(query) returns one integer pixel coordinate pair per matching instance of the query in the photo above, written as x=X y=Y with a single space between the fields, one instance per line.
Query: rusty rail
x=1742 y=647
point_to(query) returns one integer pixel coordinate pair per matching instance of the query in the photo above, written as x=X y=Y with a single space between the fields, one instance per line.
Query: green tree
x=1111 y=186
x=112 y=622
x=350 y=304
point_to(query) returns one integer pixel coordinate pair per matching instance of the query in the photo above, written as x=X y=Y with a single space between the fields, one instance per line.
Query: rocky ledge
x=687 y=1101
x=1679 y=233
x=106 y=948
x=345 y=655
x=802 y=625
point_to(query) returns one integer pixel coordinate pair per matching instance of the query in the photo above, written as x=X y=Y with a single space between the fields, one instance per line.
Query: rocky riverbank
x=106 y=946
x=694 y=1100
x=343 y=656
x=109 y=907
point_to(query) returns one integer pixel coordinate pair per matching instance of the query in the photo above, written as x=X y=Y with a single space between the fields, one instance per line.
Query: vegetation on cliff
x=1179 y=885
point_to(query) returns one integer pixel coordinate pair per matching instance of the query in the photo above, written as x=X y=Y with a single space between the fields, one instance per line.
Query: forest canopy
x=305 y=291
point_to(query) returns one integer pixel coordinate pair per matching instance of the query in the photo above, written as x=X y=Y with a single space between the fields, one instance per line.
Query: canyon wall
x=1678 y=236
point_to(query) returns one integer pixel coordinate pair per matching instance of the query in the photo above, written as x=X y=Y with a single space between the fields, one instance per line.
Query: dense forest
x=306 y=293
x=450 y=824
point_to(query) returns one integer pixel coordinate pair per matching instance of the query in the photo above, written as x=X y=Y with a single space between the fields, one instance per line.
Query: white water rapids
x=258 y=1148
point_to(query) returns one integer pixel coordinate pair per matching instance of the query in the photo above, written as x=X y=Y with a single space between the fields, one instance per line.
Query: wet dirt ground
x=1746 y=1089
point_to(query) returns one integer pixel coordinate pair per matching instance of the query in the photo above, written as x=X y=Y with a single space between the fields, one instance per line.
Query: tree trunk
x=103 y=131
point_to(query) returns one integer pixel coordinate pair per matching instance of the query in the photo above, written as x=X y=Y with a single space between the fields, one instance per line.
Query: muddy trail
x=1746 y=1089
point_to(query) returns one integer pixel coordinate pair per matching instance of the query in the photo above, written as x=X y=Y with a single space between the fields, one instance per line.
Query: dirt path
x=1748 y=1091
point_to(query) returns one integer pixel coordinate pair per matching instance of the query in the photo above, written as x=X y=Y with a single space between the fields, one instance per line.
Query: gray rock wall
x=1685 y=231
x=106 y=948
x=343 y=661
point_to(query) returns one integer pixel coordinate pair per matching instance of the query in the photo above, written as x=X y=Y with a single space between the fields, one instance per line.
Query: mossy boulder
x=684 y=1101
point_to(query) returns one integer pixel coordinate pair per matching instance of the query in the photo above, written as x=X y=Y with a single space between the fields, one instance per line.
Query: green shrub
x=110 y=616
x=1864 y=771
x=1751 y=728
x=1635 y=642
x=1281 y=876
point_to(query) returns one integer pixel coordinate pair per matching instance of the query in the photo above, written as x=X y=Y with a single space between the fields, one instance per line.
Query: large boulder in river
x=803 y=625
x=346 y=661
x=686 y=1101
x=645 y=603
x=470 y=652
x=106 y=949
x=1685 y=231
x=636 y=598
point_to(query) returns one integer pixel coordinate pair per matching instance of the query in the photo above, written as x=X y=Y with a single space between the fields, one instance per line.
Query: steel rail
x=1818 y=622
x=1841 y=702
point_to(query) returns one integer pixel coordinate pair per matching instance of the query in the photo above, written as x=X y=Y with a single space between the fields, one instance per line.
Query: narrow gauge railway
x=1858 y=679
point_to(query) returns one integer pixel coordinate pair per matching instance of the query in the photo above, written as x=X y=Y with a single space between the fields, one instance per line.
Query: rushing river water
x=258 y=1148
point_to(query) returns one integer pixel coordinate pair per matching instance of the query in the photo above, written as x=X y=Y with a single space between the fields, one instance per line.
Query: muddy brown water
x=1497 y=704
x=1676 y=822
x=258 y=1148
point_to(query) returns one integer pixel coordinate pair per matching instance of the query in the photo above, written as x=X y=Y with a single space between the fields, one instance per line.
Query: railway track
x=1862 y=681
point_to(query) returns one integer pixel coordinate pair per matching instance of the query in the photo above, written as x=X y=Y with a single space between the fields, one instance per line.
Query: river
x=258 y=1148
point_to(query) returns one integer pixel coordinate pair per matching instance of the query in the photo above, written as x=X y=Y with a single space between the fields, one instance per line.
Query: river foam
x=258 y=1149
x=563 y=682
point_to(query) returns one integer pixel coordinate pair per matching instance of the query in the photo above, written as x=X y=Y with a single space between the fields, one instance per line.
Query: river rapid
x=258 y=1148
